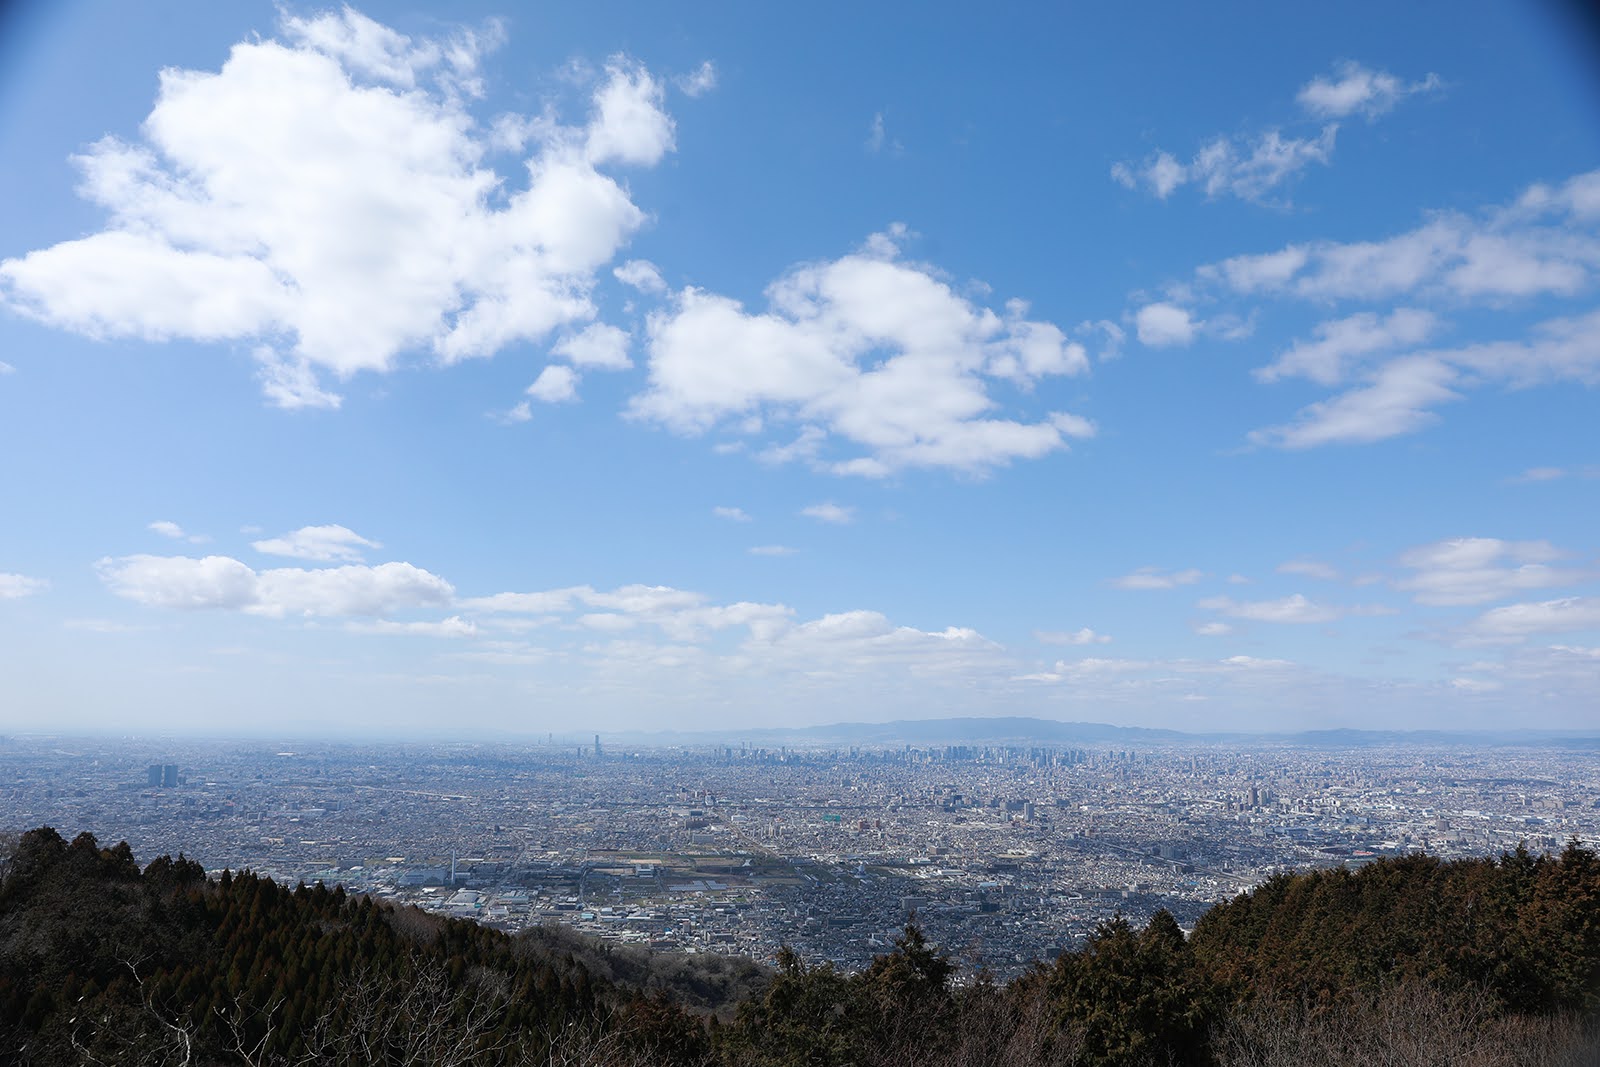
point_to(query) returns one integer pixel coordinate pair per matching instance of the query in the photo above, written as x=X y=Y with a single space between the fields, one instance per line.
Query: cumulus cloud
x=1153 y=578
x=641 y=274
x=224 y=583
x=555 y=384
x=1474 y=570
x=829 y=512
x=323 y=544
x=176 y=532
x=731 y=514
x=629 y=125
x=1355 y=89
x=328 y=197
x=865 y=354
x=599 y=346
x=772 y=550
x=17 y=586
x=1161 y=325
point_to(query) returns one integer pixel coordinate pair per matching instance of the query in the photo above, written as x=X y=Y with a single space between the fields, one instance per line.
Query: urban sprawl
x=1005 y=854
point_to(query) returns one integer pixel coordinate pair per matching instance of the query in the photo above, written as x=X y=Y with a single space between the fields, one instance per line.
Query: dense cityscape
x=1005 y=853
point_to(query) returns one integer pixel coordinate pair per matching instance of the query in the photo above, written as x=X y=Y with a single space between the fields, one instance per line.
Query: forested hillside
x=1413 y=961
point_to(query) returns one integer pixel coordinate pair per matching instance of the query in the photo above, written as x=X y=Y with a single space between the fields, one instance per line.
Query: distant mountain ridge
x=1024 y=729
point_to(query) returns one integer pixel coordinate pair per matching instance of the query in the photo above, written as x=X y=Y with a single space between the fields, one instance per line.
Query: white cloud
x=1291 y=609
x=1309 y=568
x=642 y=275
x=1251 y=166
x=176 y=532
x=1213 y=629
x=878 y=139
x=1251 y=170
x=598 y=345
x=17 y=586
x=830 y=512
x=698 y=82
x=549 y=602
x=1474 y=570
x=1567 y=615
x=1161 y=172
x=607 y=621
x=678 y=613
x=1114 y=336
x=1356 y=89
x=6 y=368
x=181 y=582
x=1245 y=167
x=1544 y=243
x=1398 y=397
x=223 y=583
x=1343 y=343
x=1084 y=636
x=629 y=125
x=1160 y=325
x=772 y=550
x=556 y=384
x=331 y=195
x=731 y=514
x=865 y=352
x=454 y=626
x=325 y=544
x=1151 y=578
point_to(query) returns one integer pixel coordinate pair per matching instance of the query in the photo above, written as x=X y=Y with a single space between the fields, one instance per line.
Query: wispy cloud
x=830 y=512
x=1254 y=166
x=1153 y=578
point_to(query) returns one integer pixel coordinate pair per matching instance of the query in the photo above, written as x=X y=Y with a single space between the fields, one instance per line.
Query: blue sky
x=619 y=366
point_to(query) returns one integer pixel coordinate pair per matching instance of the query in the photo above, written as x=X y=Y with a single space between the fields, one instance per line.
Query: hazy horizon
x=417 y=371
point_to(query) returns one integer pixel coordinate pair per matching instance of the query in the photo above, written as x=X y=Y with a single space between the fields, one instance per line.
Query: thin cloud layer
x=1153 y=578
x=17 y=586
x=1475 y=570
x=328 y=198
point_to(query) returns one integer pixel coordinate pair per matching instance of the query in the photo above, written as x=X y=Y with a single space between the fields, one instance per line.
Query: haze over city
x=418 y=370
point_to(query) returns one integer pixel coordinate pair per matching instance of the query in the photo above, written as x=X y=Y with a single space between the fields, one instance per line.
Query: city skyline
x=487 y=372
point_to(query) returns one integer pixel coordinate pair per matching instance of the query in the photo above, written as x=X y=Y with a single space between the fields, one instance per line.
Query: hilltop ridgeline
x=1480 y=963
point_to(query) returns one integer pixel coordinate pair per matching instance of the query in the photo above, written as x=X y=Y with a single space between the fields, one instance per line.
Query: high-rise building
x=169 y=776
x=153 y=774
